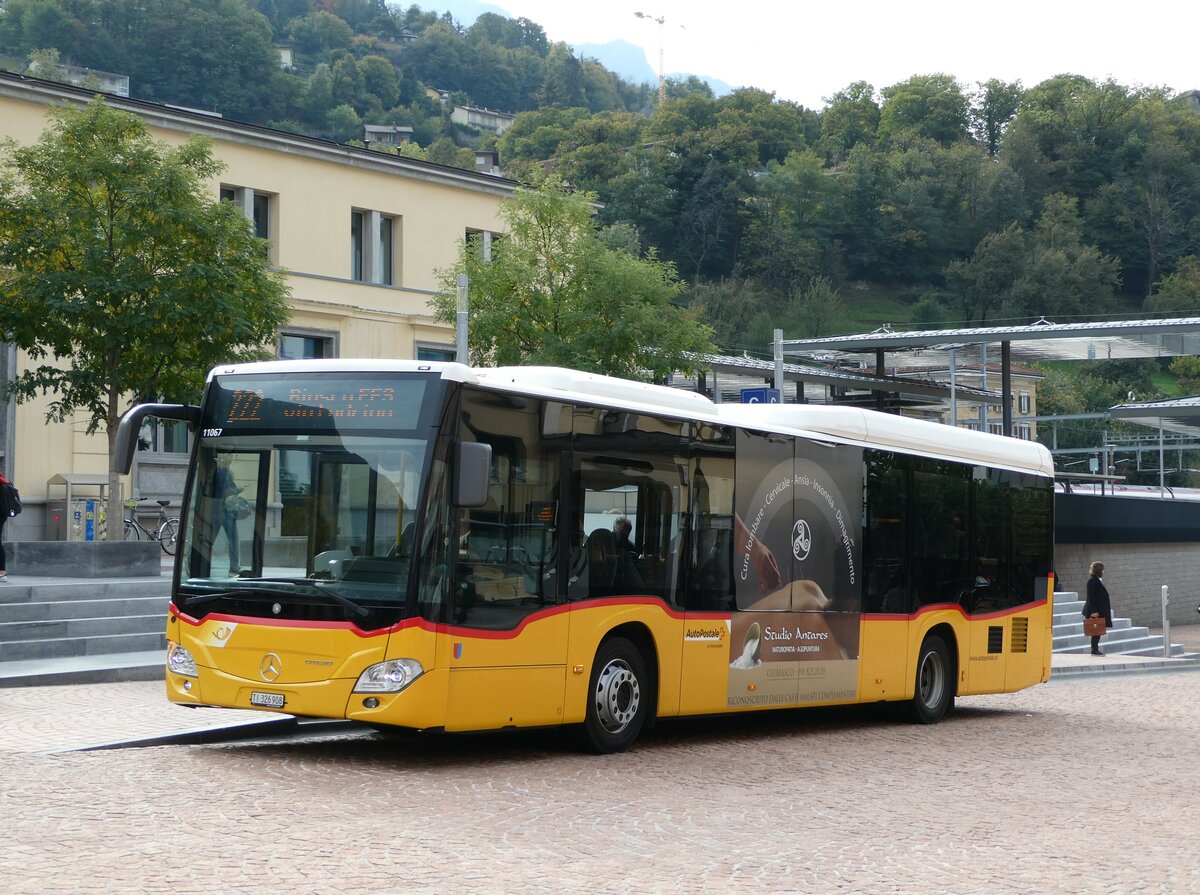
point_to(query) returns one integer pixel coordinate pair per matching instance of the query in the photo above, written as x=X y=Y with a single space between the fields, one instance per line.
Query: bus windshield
x=305 y=494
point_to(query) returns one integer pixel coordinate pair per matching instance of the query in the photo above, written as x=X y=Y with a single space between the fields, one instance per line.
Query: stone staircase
x=1123 y=638
x=82 y=630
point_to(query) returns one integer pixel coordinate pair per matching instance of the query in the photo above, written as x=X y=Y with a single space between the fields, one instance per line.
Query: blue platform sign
x=760 y=396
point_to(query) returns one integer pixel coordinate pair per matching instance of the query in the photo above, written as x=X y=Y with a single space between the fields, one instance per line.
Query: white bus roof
x=868 y=428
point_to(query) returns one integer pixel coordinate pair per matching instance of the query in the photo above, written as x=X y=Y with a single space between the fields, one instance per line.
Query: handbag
x=238 y=506
x=1095 y=627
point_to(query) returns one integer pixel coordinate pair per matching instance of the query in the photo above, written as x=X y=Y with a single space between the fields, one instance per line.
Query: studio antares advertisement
x=797 y=572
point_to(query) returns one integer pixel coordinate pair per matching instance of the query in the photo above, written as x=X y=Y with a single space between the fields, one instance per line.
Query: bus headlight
x=389 y=677
x=180 y=661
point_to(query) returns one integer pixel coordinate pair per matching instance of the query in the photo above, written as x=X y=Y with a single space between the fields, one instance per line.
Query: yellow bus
x=436 y=547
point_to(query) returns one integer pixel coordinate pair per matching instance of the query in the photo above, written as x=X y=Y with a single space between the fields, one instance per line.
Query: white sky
x=805 y=51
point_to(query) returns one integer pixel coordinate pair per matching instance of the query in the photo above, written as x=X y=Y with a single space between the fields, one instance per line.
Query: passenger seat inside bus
x=601 y=557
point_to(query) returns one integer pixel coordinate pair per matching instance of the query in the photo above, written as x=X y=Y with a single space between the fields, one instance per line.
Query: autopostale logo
x=714 y=633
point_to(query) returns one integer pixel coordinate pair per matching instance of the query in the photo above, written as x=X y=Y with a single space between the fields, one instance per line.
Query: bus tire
x=933 y=693
x=618 y=697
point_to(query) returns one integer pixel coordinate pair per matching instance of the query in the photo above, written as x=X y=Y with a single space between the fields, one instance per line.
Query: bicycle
x=166 y=530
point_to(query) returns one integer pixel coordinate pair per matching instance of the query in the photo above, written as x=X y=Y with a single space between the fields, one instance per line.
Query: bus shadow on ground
x=353 y=743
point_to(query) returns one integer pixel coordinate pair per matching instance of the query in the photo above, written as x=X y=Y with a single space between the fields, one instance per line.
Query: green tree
x=993 y=106
x=927 y=313
x=1178 y=292
x=347 y=86
x=729 y=305
x=445 y=151
x=563 y=85
x=932 y=106
x=343 y=124
x=319 y=32
x=850 y=118
x=817 y=310
x=318 y=95
x=1187 y=370
x=1050 y=271
x=554 y=292
x=125 y=280
x=790 y=218
x=208 y=54
x=379 y=78
x=982 y=282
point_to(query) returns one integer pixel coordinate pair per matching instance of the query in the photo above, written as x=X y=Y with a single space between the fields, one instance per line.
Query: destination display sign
x=240 y=403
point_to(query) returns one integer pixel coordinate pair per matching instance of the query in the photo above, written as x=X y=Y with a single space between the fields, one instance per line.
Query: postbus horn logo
x=801 y=539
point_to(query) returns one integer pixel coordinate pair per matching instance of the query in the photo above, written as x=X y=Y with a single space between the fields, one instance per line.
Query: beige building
x=361 y=235
x=974 y=415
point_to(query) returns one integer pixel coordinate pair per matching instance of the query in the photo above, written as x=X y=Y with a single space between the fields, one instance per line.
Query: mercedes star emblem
x=270 y=668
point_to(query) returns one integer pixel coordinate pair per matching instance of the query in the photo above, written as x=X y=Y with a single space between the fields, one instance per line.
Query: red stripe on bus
x=940 y=607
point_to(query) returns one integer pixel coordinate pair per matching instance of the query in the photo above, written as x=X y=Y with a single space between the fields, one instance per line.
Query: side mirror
x=131 y=424
x=473 y=467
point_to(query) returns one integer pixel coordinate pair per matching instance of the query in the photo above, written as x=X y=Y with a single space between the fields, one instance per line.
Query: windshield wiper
x=293 y=587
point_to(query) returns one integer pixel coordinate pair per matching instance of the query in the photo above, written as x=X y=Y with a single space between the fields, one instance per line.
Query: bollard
x=1166 y=598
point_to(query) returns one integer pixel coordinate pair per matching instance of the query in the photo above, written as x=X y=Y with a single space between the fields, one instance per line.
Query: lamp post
x=660 y=21
x=460 y=343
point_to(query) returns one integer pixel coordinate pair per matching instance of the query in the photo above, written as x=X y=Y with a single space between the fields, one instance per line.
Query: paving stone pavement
x=995 y=799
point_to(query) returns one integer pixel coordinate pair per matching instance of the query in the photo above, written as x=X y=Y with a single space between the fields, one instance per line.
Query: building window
x=356 y=245
x=385 y=250
x=255 y=206
x=996 y=428
x=1024 y=402
x=1023 y=432
x=261 y=216
x=481 y=241
x=164 y=436
x=307 y=346
x=436 y=352
x=372 y=247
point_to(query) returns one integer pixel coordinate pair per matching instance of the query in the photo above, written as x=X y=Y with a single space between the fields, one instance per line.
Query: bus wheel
x=934 y=692
x=617 y=705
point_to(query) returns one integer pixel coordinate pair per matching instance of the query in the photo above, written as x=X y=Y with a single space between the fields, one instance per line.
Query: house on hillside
x=387 y=134
x=483 y=119
x=487 y=161
x=287 y=55
x=88 y=78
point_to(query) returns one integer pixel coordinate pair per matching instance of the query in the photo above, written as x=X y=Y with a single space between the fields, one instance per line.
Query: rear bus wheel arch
x=936 y=677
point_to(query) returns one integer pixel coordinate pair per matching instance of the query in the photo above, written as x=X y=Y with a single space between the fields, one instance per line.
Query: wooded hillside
x=928 y=201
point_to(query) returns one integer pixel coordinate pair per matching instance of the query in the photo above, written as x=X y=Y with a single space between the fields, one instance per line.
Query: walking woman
x=3 y=519
x=1097 y=604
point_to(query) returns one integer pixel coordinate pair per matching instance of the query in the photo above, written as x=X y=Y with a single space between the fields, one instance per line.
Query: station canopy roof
x=734 y=373
x=1181 y=415
x=1041 y=341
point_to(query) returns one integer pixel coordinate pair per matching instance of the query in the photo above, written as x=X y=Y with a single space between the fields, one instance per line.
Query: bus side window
x=885 y=542
x=710 y=585
x=506 y=551
x=627 y=468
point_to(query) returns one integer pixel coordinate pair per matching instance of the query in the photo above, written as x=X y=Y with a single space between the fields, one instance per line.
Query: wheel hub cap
x=618 y=696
